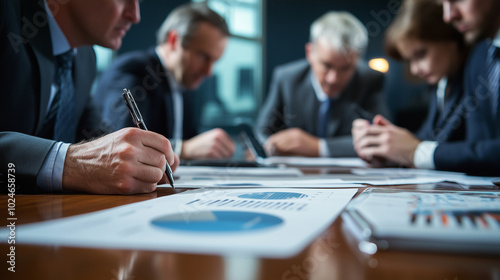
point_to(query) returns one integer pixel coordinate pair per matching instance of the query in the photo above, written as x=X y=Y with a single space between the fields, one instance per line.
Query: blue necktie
x=323 y=117
x=63 y=104
x=493 y=69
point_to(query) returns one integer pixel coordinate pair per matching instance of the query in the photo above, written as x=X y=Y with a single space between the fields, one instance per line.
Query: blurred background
x=265 y=34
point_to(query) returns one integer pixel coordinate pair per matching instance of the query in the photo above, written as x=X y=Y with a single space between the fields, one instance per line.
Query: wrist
x=74 y=171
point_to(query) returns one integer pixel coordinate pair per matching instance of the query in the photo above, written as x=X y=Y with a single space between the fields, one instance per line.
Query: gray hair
x=186 y=18
x=342 y=30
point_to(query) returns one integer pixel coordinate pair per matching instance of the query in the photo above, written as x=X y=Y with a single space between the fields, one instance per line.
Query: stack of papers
x=467 y=222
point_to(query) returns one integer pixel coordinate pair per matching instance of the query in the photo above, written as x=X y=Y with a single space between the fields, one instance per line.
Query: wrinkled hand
x=292 y=141
x=385 y=141
x=214 y=143
x=124 y=162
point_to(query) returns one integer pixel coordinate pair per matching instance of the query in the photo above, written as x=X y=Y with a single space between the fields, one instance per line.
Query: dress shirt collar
x=496 y=40
x=441 y=93
x=59 y=42
x=320 y=94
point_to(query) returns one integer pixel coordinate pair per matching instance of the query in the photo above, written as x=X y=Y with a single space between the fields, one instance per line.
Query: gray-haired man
x=191 y=39
x=312 y=102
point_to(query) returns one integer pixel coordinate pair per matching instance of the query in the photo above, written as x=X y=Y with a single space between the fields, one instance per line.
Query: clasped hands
x=382 y=141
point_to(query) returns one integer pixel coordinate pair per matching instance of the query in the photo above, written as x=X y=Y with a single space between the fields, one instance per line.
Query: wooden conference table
x=329 y=256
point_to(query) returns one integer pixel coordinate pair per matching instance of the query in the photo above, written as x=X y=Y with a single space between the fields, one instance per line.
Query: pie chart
x=216 y=221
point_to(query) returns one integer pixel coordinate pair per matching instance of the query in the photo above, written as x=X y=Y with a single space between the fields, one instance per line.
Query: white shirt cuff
x=177 y=146
x=323 y=148
x=424 y=155
x=49 y=178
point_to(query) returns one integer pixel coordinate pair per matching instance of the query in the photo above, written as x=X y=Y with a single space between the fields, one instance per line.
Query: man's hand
x=383 y=140
x=359 y=131
x=292 y=141
x=214 y=143
x=124 y=162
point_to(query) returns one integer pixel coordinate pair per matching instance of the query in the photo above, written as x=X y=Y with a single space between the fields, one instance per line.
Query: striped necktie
x=323 y=117
x=63 y=104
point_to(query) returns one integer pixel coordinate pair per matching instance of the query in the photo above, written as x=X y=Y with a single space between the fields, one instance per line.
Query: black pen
x=137 y=119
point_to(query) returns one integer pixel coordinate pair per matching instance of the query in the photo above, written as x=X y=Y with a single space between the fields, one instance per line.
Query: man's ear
x=172 y=38
x=309 y=51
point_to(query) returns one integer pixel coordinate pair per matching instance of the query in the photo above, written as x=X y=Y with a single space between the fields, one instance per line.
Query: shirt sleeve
x=176 y=146
x=424 y=155
x=323 y=148
x=49 y=178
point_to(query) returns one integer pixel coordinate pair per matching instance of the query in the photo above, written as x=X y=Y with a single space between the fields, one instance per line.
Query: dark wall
x=287 y=32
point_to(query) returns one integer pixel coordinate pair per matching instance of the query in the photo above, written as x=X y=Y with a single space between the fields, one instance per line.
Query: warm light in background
x=379 y=64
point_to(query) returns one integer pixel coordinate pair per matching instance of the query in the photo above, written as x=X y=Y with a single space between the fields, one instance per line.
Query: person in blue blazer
x=479 y=151
x=435 y=52
x=34 y=158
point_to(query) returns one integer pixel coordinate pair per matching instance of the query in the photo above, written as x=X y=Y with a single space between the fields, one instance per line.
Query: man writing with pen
x=48 y=68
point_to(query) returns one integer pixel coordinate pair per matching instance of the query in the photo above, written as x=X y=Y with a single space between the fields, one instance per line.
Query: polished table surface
x=329 y=256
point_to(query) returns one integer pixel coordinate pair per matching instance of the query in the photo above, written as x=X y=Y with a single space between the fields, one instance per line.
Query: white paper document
x=263 y=222
x=315 y=161
x=237 y=171
x=404 y=172
x=231 y=182
x=397 y=181
x=394 y=176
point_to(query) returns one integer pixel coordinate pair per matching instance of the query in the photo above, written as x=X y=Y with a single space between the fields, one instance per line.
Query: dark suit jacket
x=292 y=102
x=479 y=153
x=142 y=73
x=27 y=73
x=449 y=125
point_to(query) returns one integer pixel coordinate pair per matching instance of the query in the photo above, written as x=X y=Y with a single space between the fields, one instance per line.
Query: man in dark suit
x=478 y=20
x=47 y=72
x=479 y=153
x=192 y=38
x=311 y=103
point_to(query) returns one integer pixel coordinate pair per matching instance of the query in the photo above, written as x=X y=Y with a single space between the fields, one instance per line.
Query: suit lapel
x=306 y=106
x=166 y=93
x=41 y=44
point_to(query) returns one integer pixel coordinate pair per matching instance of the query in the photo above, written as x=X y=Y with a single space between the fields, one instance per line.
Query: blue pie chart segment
x=273 y=195
x=217 y=221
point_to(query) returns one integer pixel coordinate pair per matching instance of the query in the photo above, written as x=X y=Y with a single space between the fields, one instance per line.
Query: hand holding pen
x=138 y=120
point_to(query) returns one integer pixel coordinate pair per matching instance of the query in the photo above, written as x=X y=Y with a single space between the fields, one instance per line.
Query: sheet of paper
x=263 y=222
x=237 y=171
x=393 y=182
x=309 y=161
x=231 y=182
x=472 y=180
x=405 y=175
x=404 y=172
